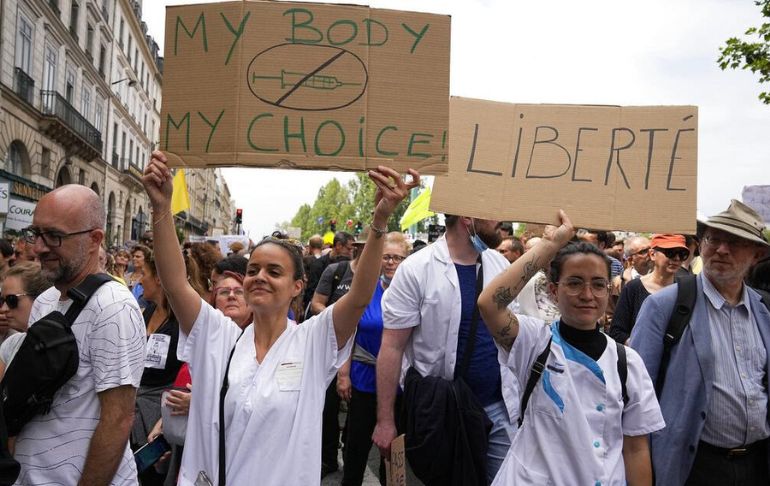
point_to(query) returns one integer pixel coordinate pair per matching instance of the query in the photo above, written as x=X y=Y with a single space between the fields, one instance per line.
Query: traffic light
x=333 y=225
x=238 y=216
x=359 y=228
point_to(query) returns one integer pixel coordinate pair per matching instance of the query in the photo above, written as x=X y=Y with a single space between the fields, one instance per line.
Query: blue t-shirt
x=483 y=375
x=369 y=336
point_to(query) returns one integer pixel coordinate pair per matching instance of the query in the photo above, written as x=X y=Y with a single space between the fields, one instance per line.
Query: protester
x=139 y=253
x=161 y=364
x=637 y=252
x=234 y=264
x=428 y=311
x=511 y=248
x=604 y=241
x=713 y=393
x=577 y=427
x=122 y=257
x=356 y=380
x=694 y=264
x=342 y=249
x=505 y=230
x=273 y=408
x=84 y=439
x=759 y=278
x=24 y=252
x=667 y=254
x=6 y=256
x=21 y=286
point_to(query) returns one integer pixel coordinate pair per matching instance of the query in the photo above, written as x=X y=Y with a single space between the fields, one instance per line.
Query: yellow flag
x=417 y=210
x=180 y=199
x=328 y=238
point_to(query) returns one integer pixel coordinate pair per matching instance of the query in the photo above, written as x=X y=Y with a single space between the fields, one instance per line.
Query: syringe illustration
x=316 y=81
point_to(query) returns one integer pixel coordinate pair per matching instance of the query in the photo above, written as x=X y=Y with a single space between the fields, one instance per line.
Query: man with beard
x=428 y=312
x=713 y=392
x=84 y=438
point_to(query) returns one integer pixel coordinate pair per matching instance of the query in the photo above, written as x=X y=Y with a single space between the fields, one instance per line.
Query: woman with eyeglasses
x=667 y=253
x=356 y=380
x=581 y=421
x=262 y=388
x=22 y=284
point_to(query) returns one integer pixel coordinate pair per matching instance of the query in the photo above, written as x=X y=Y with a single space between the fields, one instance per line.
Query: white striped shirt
x=737 y=412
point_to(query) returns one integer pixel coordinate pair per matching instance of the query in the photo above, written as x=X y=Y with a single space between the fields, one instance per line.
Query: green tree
x=755 y=56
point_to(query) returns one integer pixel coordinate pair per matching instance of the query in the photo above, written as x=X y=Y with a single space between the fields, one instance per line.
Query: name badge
x=289 y=375
x=157 y=351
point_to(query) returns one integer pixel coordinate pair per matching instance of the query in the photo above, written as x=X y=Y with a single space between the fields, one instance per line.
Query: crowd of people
x=539 y=359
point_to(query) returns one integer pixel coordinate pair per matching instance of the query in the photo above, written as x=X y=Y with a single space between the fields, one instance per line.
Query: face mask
x=385 y=280
x=476 y=241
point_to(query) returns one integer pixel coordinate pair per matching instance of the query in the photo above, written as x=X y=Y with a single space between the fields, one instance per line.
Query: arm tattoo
x=503 y=296
x=530 y=269
x=504 y=337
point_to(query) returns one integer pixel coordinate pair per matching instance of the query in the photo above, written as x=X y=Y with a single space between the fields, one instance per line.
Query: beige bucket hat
x=739 y=220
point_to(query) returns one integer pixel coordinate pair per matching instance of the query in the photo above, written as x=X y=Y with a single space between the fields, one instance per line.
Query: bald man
x=84 y=439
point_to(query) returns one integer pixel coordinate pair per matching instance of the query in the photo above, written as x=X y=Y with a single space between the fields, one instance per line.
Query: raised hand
x=158 y=181
x=562 y=234
x=391 y=189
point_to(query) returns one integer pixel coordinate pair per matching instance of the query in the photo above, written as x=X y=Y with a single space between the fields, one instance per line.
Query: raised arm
x=494 y=299
x=391 y=190
x=184 y=300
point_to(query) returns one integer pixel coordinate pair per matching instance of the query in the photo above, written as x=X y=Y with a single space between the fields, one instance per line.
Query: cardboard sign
x=395 y=468
x=758 y=197
x=20 y=214
x=302 y=85
x=5 y=195
x=608 y=167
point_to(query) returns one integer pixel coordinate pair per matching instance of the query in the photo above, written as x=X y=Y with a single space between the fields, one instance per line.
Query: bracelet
x=158 y=220
x=379 y=232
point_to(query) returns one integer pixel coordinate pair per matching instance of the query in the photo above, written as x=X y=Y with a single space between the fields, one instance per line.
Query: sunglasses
x=671 y=253
x=12 y=300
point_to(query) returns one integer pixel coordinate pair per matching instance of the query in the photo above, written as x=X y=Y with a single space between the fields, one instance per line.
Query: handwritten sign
x=20 y=214
x=758 y=197
x=608 y=167
x=302 y=85
x=395 y=468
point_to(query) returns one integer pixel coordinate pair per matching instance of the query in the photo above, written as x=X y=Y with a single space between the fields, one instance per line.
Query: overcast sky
x=617 y=52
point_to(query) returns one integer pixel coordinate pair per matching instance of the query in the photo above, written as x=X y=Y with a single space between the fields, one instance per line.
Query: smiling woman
x=278 y=371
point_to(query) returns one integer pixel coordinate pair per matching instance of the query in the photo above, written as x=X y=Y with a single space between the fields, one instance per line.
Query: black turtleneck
x=590 y=342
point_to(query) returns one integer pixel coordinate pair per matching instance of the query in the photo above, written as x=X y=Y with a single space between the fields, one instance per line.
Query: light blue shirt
x=737 y=412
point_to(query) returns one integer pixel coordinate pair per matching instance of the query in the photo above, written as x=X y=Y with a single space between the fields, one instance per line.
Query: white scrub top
x=574 y=424
x=272 y=409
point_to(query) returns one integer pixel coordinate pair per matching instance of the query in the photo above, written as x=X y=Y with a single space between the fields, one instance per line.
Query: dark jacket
x=446 y=431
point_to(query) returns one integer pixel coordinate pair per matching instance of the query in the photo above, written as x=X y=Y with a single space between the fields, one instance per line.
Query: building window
x=128 y=51
x=74 y=10
x=136 y=59
x=69 y=91
x=123 y=151
x=98 y=114
x=90 y=41
x=120 y=32
x=85 y=101
x=24 y=45
x=82 y=177
x=130 y=151
x=16 y=165
x=102 y=59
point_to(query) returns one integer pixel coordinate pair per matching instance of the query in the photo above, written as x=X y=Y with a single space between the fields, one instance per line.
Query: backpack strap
x=534 y=376
x=687 y=288
x=623 y=371
x=222 y=394
x=81 y=294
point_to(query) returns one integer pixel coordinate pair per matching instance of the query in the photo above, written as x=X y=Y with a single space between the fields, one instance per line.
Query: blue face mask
x=476 y=241
x=385 y=280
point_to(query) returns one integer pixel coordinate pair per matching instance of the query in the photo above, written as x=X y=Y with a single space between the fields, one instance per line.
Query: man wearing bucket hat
x=715 y=395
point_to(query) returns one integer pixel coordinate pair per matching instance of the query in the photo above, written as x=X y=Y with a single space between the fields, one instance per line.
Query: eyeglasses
x=640 y=252
x=734 y=242
x=12 y=300
x=225 y=291
x=50 y=238
x=600 y=287
x=671 y=253
x=393 y=258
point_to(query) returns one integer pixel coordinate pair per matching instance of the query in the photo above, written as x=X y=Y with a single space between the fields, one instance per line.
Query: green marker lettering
x=369 y=42
x=413 y=142
x=200 y=23
x=237 y=33
x=300 y=135
x=251 y=127
x=170 y=121
x=213 y=127
x=377 y=142
x=417 y=37
x=353 y=33
x=302 y=25
x=317 y=136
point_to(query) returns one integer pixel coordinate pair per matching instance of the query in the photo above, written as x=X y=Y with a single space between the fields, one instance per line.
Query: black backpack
x=687 y=290
x=539 y=366
x=47 y=358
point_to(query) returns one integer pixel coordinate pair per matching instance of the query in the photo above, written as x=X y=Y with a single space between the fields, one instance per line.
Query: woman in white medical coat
x=279 y=371
x=576 y=428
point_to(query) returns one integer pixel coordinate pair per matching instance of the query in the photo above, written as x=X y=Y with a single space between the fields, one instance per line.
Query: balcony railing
x=54 y=104
x=24 y=85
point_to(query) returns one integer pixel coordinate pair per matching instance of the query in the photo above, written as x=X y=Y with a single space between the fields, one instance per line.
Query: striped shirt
x=737 y=412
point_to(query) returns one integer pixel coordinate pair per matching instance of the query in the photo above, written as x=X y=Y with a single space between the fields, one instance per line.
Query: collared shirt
x=737 y=412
